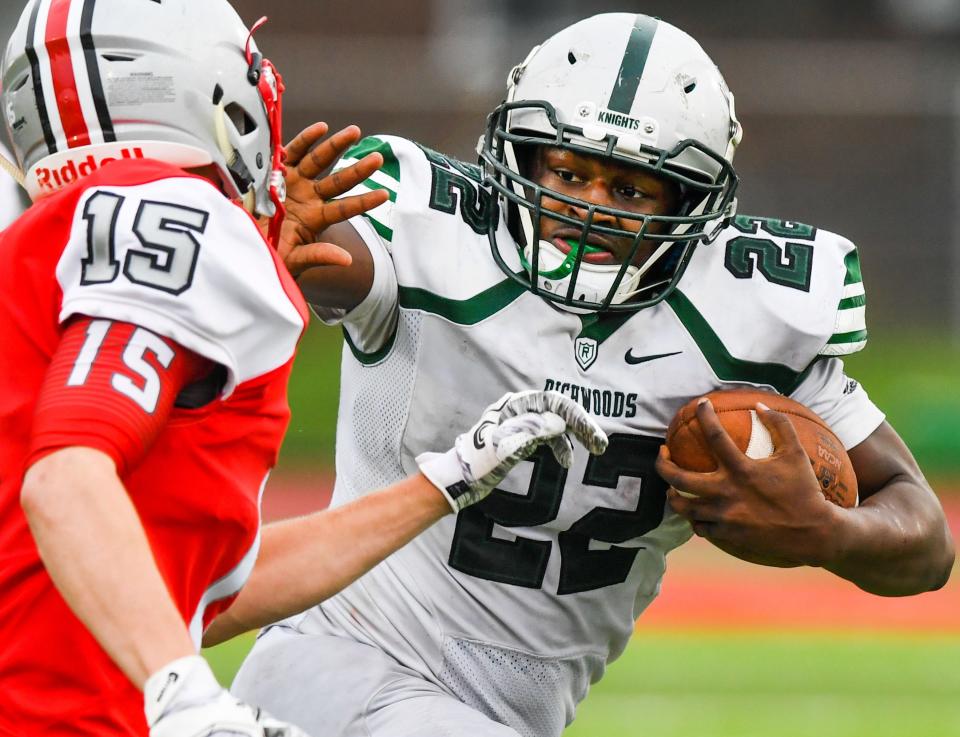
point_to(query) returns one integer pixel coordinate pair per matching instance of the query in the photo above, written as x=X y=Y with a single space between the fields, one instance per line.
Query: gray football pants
x=336 y=687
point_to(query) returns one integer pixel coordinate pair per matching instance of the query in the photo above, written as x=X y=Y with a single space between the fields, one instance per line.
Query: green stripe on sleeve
x=370 y=184
x=845 y=344
x=852 y=264
x=853 y=340
x=859 y=301
x=382 y=230
x=858 y=336
x=391 y=166
x=634 y=61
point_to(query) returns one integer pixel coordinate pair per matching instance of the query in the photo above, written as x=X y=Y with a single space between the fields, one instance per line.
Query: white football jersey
x=518 y=603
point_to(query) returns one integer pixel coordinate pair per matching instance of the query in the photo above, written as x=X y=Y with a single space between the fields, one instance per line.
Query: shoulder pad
x=779 y=291
x=176 y=257
x=435 y=223
x=401 y=161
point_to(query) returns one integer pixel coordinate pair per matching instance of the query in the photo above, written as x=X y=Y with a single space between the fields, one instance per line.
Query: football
x=736 y=411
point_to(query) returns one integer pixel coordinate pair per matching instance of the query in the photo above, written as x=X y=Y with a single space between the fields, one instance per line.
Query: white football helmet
x=182 y=81
x=636 y=90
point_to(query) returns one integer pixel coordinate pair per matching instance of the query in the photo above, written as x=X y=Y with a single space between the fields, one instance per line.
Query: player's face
x=603 y=182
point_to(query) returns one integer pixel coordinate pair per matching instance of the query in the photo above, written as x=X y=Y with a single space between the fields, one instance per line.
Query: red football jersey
x=139 y=242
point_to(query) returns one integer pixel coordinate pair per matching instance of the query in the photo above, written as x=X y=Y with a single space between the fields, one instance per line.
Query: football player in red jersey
x=148 y=330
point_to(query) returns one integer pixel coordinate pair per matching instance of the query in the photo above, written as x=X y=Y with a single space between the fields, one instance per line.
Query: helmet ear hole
x=241 y=119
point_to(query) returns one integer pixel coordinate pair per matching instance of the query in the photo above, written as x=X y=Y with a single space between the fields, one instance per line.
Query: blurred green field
x=912 y=377
x=724 y=684
x=719 y=684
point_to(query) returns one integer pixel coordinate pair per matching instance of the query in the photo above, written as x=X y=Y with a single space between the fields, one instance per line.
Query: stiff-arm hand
x=313 y=201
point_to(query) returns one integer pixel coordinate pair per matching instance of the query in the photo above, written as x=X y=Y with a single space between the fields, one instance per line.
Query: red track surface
x=705 y=588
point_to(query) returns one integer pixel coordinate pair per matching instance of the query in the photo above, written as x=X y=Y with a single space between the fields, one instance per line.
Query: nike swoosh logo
x=632 y=359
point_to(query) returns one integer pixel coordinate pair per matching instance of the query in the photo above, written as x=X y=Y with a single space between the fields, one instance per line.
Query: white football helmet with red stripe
x=88 y=81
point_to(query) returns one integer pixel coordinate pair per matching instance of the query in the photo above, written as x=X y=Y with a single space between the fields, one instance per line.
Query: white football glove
x=509 y=430
x=184 y=699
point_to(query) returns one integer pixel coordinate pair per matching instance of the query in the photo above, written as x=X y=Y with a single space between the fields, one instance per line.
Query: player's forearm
x=306 y=560
x=94 y=548
x=896 y=543
x=340 y=286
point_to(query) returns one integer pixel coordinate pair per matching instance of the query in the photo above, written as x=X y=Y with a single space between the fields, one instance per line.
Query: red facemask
x=270 y=84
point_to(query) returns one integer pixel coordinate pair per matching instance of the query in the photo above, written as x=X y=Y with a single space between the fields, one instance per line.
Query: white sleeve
x=841 y=401
x=372 y=323
x=178 y=258
x=370 y=327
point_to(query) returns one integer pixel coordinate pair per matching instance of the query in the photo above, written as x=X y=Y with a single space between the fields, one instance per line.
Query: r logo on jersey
x=585 y=351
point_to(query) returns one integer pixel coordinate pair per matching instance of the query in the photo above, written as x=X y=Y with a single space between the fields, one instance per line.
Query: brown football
x=736 y=410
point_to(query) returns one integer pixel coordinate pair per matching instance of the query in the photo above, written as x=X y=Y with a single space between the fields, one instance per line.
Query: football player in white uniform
x=595 y=252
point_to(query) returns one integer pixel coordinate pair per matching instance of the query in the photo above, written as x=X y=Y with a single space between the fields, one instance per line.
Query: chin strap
x=736 y=130
x=13 y=170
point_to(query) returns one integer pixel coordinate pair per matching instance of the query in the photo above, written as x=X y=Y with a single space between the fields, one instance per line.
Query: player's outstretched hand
x=310 y=203
x=508 y=431
x=184 y=699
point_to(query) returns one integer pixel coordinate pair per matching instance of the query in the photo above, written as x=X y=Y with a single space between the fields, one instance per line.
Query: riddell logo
x=49 y=179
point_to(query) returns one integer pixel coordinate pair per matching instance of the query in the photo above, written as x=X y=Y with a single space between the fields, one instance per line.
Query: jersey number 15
x=168 y=249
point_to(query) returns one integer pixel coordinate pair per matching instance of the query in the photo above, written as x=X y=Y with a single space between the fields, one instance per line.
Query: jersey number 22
x=523 y=562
